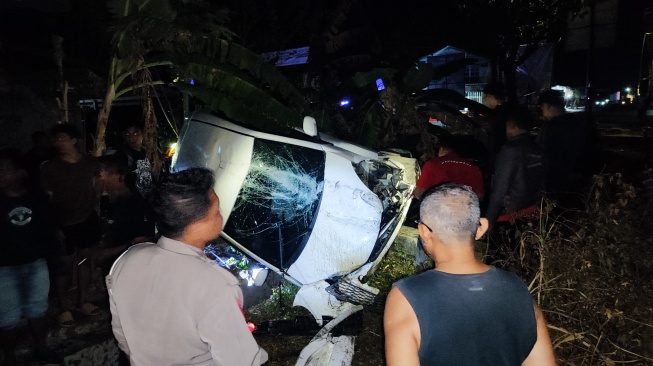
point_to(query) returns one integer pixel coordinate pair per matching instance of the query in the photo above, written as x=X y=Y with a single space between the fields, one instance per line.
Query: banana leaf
x=417 y=78
x=245 y=64
x=153 y=8
x=451 y=98
x=362 y=79
x=240 y=101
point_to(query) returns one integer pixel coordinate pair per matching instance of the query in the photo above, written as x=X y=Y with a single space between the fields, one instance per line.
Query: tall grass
x=590 y=270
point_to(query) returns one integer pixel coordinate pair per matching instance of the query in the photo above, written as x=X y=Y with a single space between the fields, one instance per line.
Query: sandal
x=89 y=309
x=66 y=319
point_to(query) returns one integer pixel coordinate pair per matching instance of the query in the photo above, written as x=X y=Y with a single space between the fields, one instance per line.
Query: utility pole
x=589 y=100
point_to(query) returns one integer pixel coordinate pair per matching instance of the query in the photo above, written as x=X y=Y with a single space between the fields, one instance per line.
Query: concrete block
x=407 y=242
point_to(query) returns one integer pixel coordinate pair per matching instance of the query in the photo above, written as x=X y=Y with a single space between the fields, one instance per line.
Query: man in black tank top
x=463 y=312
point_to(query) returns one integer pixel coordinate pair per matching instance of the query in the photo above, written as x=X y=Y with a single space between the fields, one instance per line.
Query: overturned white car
x=320 y=211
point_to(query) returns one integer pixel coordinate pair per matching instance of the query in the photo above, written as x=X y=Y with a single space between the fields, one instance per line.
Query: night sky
x=397 y=31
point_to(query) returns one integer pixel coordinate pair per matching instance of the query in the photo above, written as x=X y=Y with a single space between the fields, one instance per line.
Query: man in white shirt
x=171 y=305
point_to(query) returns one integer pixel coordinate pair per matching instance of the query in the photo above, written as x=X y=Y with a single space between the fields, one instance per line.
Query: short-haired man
x=449 y=167
x=171 y=305
x=128 y=220
x=518 y=181
x=494 y=97
x=463 y=312
x=563 y=140
x=69 y=181
x=133 y=154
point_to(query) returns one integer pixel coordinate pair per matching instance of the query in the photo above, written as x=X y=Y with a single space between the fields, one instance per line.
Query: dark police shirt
x=472 y=319
x=26 y=230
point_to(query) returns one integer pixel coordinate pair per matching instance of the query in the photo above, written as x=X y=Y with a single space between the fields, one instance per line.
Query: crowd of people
x=170 y=304
x=519 y=168
x=53 y=237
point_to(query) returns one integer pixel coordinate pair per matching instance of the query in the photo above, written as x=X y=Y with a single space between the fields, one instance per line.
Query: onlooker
x=449 y=167
x=494 y=97
x=26 y=236
x=518 y=181
x=133 y=154
x=129 y=221
x=563 y=139
x=172 y=305
x=463 y=312
x=69 y=181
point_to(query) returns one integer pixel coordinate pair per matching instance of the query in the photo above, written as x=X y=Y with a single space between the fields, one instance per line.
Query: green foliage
x=417 y=78
x=278 y=306
x=154 y=8
x=510 y=23
x=497 y=29
x=227 y=77
x=268 y=115
x=362 y=79
x=394 y=266
x=231 y=79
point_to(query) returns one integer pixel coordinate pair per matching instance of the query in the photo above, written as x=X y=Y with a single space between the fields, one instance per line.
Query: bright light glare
x=251 y=326
x=171 y=149
x=379 y=84
x=344 y=102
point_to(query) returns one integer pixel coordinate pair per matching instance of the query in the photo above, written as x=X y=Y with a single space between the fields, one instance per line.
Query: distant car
x=318 y=210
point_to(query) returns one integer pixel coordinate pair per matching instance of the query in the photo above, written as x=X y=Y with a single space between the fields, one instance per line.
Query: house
x=532 y=75
x=468 y=81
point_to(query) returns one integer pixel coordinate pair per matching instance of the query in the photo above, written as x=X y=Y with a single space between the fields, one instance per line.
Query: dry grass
x=590 y=271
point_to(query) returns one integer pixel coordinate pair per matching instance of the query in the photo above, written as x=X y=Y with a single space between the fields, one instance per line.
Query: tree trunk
x=62 y=102
x=102 y=119
x=150 y=132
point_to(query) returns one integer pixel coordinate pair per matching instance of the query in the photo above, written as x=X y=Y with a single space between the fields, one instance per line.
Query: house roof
x=449 y=50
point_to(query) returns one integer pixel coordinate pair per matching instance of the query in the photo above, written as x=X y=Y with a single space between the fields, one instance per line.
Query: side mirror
x=310 y=126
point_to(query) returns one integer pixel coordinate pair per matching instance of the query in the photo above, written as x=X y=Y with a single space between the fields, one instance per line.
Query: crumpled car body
x=319 y=211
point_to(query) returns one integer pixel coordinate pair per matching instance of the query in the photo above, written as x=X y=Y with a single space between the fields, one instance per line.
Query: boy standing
x=26 y=235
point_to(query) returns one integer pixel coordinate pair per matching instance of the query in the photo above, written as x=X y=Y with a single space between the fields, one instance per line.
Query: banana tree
x=396 y=115
x=128 y=59
x=144 y=27
x=229 y=78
